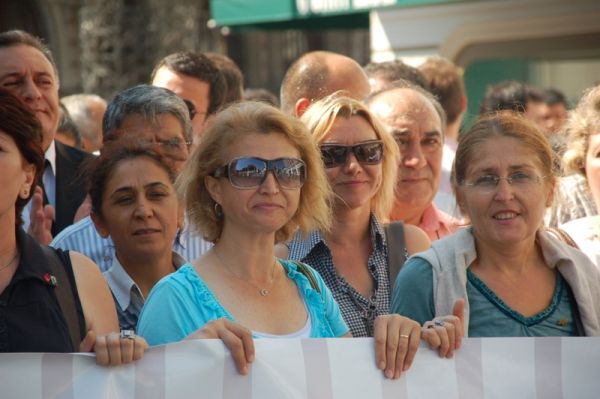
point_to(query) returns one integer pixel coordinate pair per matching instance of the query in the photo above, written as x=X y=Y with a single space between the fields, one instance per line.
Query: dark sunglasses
x=249 y=172
x=368 y=152
x=191 y=108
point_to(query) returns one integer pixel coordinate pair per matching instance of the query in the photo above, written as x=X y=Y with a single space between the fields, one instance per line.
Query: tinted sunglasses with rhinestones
x=249 y=172
x=367 y=152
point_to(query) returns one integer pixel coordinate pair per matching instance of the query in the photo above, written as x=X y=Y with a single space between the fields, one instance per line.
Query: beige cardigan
x=451 y=256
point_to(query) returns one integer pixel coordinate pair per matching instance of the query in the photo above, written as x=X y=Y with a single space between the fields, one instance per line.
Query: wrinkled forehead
x=19 y=57
x=404 y=105
x=488 y=154
x=165 y=125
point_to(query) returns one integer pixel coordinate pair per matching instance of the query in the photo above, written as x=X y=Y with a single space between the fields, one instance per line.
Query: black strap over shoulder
x=304 y=270
x=394 y=234
x=64 y=295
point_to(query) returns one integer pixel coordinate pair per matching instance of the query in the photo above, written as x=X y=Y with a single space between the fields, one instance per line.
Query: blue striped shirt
x=83 y=237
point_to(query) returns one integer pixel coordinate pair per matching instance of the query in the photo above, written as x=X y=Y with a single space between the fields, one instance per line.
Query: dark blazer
x=70 y=184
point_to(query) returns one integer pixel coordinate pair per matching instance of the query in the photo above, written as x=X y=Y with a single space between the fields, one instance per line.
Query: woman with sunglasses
x=361 y=162
x=255 y=179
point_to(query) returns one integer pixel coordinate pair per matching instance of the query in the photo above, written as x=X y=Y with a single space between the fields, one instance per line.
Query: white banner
x=333 y=368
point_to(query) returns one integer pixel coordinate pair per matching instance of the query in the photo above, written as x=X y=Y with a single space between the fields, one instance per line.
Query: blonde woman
x=360 y=160
x=254 y=180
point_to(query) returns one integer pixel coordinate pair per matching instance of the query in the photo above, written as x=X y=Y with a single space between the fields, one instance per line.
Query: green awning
x=304 y=13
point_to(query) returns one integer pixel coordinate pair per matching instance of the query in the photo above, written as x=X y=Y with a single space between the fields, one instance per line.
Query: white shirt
x=121 y=284
x=49 y=179
x=586 y=234
x=444 y=198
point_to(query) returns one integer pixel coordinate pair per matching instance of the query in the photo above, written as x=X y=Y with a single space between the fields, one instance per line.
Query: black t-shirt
x=30 y=317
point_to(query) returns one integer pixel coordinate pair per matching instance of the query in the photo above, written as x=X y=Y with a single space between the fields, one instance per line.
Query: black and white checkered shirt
x=358 y=312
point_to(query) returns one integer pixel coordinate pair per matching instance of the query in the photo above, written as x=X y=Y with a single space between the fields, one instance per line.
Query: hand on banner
x=446 y=333
x=41 y=218
x=115 y=348
x=237 y=339
x=397 y=339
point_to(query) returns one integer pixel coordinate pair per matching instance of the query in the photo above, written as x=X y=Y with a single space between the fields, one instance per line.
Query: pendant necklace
x=263 y=291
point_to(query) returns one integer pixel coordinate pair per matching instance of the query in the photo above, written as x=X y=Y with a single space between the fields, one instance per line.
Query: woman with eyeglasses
x=361 y=163
x=514 y=277
x=255 y=179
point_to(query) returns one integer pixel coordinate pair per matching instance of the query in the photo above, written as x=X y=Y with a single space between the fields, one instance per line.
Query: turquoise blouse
x=181 y=303
x=490 y=316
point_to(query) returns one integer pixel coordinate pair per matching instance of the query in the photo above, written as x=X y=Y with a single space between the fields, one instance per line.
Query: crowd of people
x=351 y=206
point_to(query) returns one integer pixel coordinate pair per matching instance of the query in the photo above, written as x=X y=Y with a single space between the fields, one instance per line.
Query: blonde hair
x=228 y=126
x=583 y=122
x=321 y=116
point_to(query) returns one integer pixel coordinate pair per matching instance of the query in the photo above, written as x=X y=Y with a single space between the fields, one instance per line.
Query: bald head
x=318 y=74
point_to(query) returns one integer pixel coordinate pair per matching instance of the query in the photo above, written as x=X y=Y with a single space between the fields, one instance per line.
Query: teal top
x=181 y=303
x=489 y=315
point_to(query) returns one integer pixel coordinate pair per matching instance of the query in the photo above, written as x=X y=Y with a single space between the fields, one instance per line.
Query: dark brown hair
x=101 y=169
x=18 y=37
x=18 y=122
x=234 y=79
x=198 y=66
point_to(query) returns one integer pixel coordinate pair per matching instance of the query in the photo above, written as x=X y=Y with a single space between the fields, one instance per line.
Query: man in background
x=197 y=80
x=383 y=73
x=28 y=70
x=234 y=79
x=445 y=82
x=86 y=111
x=317 y=74
x=556 y=111
x=417 y=122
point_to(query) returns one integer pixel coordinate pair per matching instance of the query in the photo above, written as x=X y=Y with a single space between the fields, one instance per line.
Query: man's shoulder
x=82 y=228
x=71 y=154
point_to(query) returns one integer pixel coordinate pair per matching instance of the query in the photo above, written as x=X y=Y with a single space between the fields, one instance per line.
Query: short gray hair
x=80 y=108
x=148 y=102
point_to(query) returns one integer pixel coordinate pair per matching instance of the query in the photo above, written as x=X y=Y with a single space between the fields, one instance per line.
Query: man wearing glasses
x=148 y=114
x=196 y=79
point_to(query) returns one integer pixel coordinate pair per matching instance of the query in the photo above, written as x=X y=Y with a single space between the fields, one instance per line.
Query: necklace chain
x=10 y=261
x=263 y=291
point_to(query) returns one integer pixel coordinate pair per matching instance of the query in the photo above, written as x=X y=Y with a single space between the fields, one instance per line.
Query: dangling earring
x=218 y=210
x=25 y=192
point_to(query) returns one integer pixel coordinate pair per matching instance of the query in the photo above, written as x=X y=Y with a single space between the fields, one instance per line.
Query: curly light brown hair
x=583 y=122
x=228 y=126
